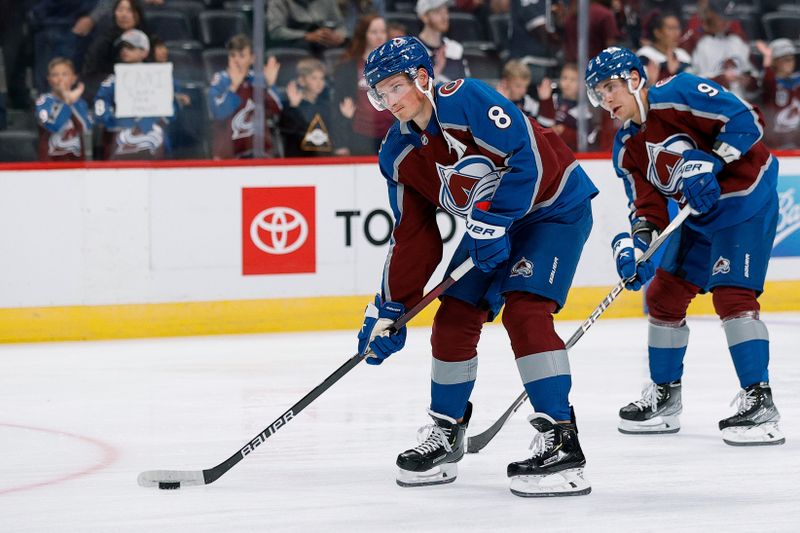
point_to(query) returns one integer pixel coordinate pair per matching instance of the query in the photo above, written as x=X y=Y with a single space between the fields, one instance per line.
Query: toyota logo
x=279 y=222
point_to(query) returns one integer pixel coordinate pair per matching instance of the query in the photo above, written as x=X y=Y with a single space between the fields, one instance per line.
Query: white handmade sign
x=143 y=90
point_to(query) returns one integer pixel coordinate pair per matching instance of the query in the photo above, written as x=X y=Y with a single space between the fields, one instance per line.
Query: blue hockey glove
x=487 y=237
x=626 y=251
x=698 y=175
x=375 y=340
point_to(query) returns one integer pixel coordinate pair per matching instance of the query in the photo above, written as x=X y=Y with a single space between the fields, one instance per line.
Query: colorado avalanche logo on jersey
x=664 y=160
x=472 y=178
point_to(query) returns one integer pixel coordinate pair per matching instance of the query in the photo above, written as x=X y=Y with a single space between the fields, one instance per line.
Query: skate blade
x=439 y=475
x=767 y=434
x=564 y=483
x=658 y=425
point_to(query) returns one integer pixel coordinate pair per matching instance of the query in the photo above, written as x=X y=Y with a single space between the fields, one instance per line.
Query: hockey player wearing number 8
x=464 y=148
x=690 y=140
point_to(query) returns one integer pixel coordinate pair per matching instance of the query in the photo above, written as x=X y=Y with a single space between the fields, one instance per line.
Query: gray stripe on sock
x=667 y=337
x=542 y=365
x=739 y=330
x=452 y=373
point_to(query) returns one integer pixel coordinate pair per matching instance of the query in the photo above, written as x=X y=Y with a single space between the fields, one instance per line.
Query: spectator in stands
x=698 y=25
x=447 y=55
x=314 y=25
x=395 y=29
x=130 y=137
x=362 y=125
x=101 y=56
x=722 y=55
x=15 y=57
x=603 y=31
x=514 y=83
x=532 y=35
x=159 y=53
x=306 y=117
x=781 y=94
x=663 y=52
x=63 y=114
x=482 y=9
x=560 y=111
x=232 y=106
x=52 y=23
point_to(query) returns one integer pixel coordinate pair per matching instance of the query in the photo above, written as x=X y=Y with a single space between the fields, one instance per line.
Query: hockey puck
x=169 y=485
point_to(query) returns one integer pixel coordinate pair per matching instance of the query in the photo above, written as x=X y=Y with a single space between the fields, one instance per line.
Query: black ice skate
x=556 y=467
x=656 y=412
x=433 y=461
x=756 y=420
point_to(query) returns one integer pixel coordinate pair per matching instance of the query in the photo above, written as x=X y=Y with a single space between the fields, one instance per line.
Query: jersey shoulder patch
x=661 y=83
x=450 y=88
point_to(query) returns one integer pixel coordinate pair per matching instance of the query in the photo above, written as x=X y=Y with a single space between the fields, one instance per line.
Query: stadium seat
x=499 y=25
x=483 y=65
x=214 y=60
x=216 y=27
x=187 y=67
x=190 y=8
x=18 y=145
x=168 y=25
x=412 y=24
x=288 y=58
x=781 y=24
x=464 y=27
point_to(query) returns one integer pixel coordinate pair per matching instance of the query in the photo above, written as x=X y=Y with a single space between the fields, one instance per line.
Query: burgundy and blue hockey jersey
x=688 y=112
x=61 y=128
x=488 y=150
x=234 y=115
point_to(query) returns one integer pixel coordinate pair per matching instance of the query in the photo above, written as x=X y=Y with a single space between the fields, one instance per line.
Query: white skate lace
x=745 y=399
x=431 y=437
x=542 y=442
x=650 y=397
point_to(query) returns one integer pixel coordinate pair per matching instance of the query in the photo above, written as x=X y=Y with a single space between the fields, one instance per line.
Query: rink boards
x=94 y=251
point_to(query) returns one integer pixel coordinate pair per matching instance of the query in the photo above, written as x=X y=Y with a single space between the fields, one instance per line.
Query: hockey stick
x=173 y=479
x=477 y=442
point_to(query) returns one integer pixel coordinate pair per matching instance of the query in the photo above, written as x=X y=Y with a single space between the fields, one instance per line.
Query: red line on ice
x=110 y=455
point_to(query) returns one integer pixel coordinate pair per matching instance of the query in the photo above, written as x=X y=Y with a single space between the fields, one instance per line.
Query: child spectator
x=560 y=112
x=514 y=83
x=232 y=104
x=62 y=114
x=131 y=137
x=359 y=122
x=306 y=115
x=781 y=94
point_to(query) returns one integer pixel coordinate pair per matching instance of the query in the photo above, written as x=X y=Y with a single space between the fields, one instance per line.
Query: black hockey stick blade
x=173 y=479
x=478 y=442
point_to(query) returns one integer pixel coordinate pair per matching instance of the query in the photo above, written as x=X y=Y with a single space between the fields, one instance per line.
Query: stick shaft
x=479 y=441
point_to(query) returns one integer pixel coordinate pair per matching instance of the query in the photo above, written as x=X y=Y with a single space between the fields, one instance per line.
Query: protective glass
x=381 y=100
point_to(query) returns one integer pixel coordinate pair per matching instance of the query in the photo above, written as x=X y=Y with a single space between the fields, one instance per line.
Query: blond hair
x=310 y=65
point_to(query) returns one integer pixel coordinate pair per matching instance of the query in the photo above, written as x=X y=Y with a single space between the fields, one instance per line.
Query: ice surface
x=79 y=421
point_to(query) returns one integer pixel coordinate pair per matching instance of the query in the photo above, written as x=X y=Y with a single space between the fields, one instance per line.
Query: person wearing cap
x=103 y=50
x=780 y=94
x=722 y=55
x=447 y=55
x=129 y=137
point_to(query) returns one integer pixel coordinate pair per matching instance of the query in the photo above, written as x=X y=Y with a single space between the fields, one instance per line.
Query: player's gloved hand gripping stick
x=479 y=441
x=173 y=479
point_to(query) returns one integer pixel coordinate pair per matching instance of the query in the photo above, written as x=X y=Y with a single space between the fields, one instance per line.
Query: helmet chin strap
x=638 y=97
x=453 y=144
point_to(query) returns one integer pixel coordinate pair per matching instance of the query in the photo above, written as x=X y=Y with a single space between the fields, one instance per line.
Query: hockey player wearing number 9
x=464 y=148
x=690 y=140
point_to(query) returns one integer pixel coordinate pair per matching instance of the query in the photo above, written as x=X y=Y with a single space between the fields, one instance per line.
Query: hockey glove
x=698 y=179
x=375 y=340
x=487 y=238
x=627 y=250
